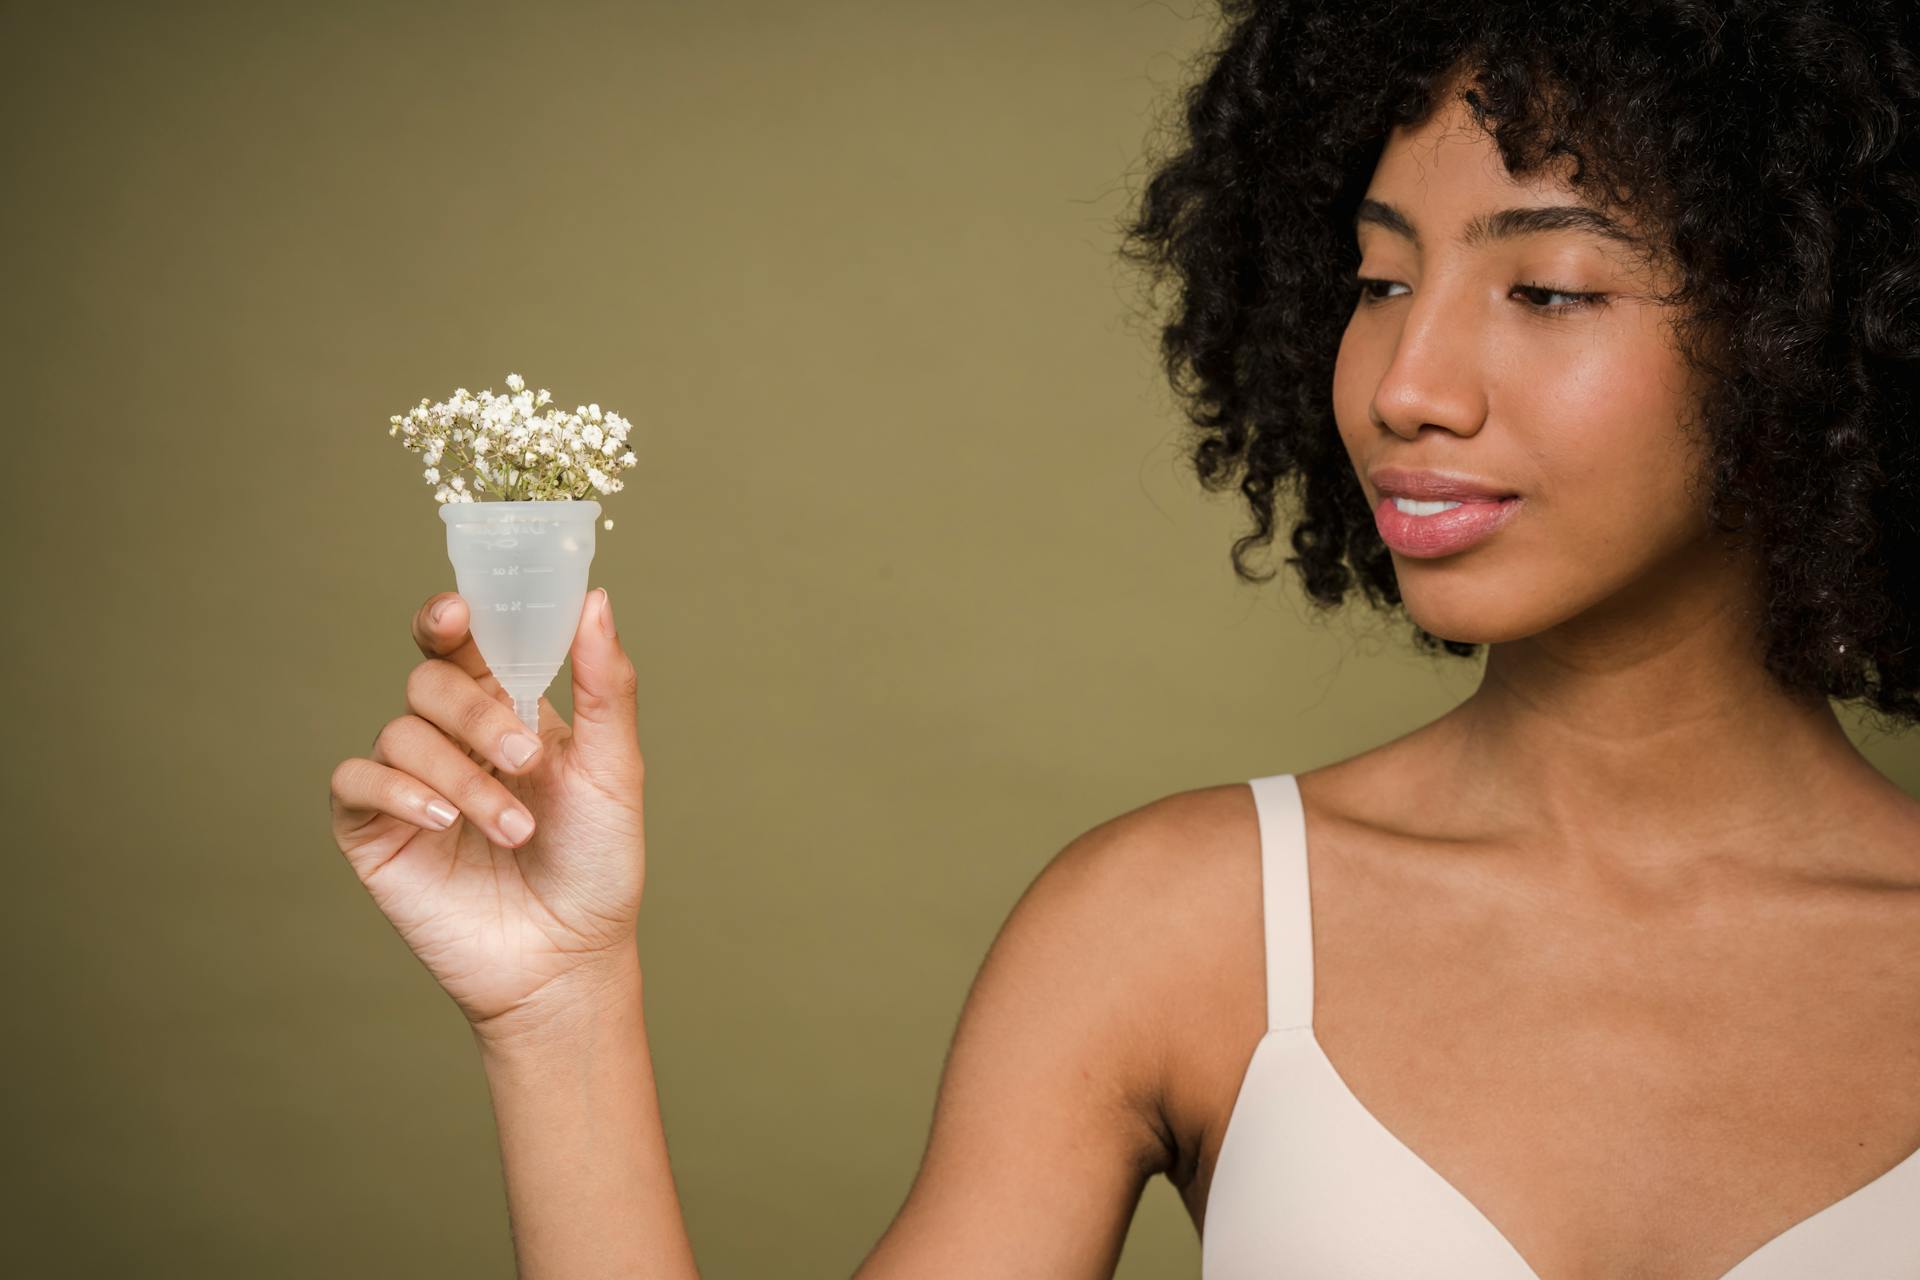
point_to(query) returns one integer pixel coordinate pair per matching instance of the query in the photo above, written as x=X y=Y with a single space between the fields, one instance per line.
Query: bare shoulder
x=1159 y=862
x=1134 y=919
x=1051 y=1112
x=1185 y=869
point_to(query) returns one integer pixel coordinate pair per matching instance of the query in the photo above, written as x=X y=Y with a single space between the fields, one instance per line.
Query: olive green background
x=916 y=580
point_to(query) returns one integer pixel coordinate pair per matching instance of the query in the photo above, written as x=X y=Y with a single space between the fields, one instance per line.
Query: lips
x=1447 y=532
x=1432 y=486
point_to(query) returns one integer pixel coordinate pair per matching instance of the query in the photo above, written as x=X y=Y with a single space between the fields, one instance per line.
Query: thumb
x=605 y=688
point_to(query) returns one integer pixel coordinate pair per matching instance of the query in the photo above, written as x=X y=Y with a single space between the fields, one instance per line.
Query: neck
x=1645 y=743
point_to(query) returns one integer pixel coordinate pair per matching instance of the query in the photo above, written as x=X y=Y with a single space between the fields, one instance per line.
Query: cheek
x=1605 y=428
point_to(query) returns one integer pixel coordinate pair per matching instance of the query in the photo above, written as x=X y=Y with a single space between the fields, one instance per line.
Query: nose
x=1435 y=370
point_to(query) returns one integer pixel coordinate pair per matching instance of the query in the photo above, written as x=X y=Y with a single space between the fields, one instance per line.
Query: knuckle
x=390 y=732
x=402 y=738
x=475 y=717
x=477 y=790
x=343 y=775
x=422 y=679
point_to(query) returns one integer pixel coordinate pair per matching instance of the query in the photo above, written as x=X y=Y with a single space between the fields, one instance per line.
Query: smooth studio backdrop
x=916 y=579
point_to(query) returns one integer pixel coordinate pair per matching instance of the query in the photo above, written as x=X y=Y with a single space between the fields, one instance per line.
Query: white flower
x=483 y=434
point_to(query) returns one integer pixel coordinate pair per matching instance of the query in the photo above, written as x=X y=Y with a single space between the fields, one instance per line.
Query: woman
x=1619 y=960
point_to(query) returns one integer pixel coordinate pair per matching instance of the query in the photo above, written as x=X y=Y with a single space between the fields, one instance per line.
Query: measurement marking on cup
x=515 y=606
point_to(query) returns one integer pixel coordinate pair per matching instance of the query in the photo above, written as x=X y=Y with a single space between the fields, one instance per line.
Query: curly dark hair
x=1771 y=150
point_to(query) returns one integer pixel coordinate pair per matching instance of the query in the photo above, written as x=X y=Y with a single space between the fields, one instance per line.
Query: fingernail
x=516 y=824
x=519 y=748
x=442 y=813
x=440 y=610
x=606 y=612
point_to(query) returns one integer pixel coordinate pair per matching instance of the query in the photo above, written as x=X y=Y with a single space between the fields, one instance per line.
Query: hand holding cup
x=527 y=894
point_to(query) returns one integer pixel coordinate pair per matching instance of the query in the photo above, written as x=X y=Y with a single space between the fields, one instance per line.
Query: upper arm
x=1047 y=1122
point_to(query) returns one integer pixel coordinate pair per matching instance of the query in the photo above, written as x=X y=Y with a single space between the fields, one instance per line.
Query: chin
x=1454 y=607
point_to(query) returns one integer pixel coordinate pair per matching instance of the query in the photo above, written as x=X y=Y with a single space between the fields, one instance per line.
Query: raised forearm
x=590 y=1194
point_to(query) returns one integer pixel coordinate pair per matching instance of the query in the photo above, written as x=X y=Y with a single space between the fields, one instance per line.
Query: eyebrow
x=1503 y=224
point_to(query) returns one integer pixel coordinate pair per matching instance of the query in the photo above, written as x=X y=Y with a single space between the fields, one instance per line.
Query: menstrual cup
x=522 y=567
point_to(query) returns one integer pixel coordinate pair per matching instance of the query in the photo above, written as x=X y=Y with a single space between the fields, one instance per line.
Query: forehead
x=1450 y=156
x=1446 y=175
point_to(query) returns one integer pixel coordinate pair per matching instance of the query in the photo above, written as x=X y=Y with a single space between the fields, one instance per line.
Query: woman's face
x=1471 y=358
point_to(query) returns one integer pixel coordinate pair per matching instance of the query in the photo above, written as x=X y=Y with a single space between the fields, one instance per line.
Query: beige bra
x=1309 y=1185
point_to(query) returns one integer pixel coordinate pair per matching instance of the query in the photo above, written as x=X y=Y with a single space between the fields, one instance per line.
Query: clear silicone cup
x=522 y=568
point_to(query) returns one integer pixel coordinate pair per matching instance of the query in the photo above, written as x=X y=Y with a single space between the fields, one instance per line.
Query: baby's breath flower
x=562 y=456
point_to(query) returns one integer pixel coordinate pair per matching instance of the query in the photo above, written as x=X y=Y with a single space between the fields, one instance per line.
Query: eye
x=1368 y=285
x=1579 y=299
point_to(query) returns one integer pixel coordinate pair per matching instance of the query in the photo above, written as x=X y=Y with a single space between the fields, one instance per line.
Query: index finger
x=448 y=637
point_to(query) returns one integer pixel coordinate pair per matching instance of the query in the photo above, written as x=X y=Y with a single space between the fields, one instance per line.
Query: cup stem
x=528 y=709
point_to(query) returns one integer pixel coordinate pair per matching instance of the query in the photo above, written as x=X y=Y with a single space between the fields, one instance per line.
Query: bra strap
x=1286 y=907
